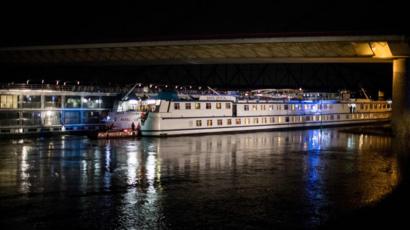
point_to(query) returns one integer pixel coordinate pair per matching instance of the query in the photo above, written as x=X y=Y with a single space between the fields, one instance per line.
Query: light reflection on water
x=285 y=179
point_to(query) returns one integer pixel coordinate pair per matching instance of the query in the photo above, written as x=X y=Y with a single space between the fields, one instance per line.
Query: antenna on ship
x=125 y=97
x=364 y=92
x=214 y=91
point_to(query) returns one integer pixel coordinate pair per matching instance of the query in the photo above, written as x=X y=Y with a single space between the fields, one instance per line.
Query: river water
x=253 y=180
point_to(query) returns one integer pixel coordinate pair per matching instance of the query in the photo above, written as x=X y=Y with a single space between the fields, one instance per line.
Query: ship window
x=238 y=121
x=198 y=123
x=229 y=122
x=384 y=106
x=176 y=106
x=361 y=106
x=279 y=107
x=208 y=105
x=338 y=116
x=246 y=107
x=198 y=105
x=287 y=119
x=227 y=105
x=263 y=107
x=285 y=107
x=254 y=107
x=218 y=105
x=272 y=120
x=256 y=120
x=332 y=117
x=347 y=116
x=247 y=121
x=270 y=107
x=219 y=121
x=292 y=107
x=8 y=101
x=307 y=118
x=209 y=122
x=187 y=105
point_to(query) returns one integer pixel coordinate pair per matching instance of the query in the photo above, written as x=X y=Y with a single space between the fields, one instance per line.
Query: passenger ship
x=180 y=114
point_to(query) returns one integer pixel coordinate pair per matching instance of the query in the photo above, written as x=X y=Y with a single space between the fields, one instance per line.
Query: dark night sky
x=71 y=22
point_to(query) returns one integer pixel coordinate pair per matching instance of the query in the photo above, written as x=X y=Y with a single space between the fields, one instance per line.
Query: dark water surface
x=252 y=180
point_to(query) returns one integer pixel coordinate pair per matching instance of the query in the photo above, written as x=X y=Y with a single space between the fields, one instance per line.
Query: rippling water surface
x=252 y=180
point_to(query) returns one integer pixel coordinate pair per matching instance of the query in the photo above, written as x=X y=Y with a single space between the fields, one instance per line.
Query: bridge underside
x=372 y=49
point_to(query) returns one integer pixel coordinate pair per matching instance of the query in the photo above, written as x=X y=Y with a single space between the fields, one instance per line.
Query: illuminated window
x=292 y=107
x=228 y=105
x=238 y=121
x=247 y=121
x=270 y=107
x=187 y=105
x=219 y=121
x=229 y=122
x=208 y=106
x=218 y=105
x=176 y=106
x=254 y=107
x=197 y=105
x=209 y=122
x=198 y=123
x=246 y=107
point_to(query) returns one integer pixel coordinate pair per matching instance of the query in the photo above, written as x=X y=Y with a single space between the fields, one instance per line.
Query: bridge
x=393 y=49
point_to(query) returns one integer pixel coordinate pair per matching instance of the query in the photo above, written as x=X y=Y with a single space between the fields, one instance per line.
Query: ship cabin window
x=287 y=119
x=209 y=122
x=306 y=107
x=307 y=118
x=332 y=117
x=227 y=105
x=263 y=107
x=208 y=106
x=198 y=123
x=270 y=107
x=347 y=116
x=187 y=105
x=256 y=120
x=361 y=106
x=176 y=106
x=389 y=106
x=254 y=107
x=218 y=105
x=247 y=121
x=272 y=120
x=219 y=121
x=338 y=116
x=229 y=122
x=384 y=106
x=285 y=107
x=318 y=118
x=246 y=107
x=371 y=106
x=197 y=105
x=8 y=101
x=238 y=121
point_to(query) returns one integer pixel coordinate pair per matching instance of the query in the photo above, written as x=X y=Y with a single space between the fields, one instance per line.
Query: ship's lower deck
x=163 y=126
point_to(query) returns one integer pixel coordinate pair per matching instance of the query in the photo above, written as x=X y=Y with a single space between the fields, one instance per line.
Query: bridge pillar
x=401 y=116
x=401 y=97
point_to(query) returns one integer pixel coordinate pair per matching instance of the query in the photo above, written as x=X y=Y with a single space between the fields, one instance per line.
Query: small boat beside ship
x=170 y=113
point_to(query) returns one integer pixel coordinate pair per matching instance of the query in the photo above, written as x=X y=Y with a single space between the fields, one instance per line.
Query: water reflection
x=291 y=179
